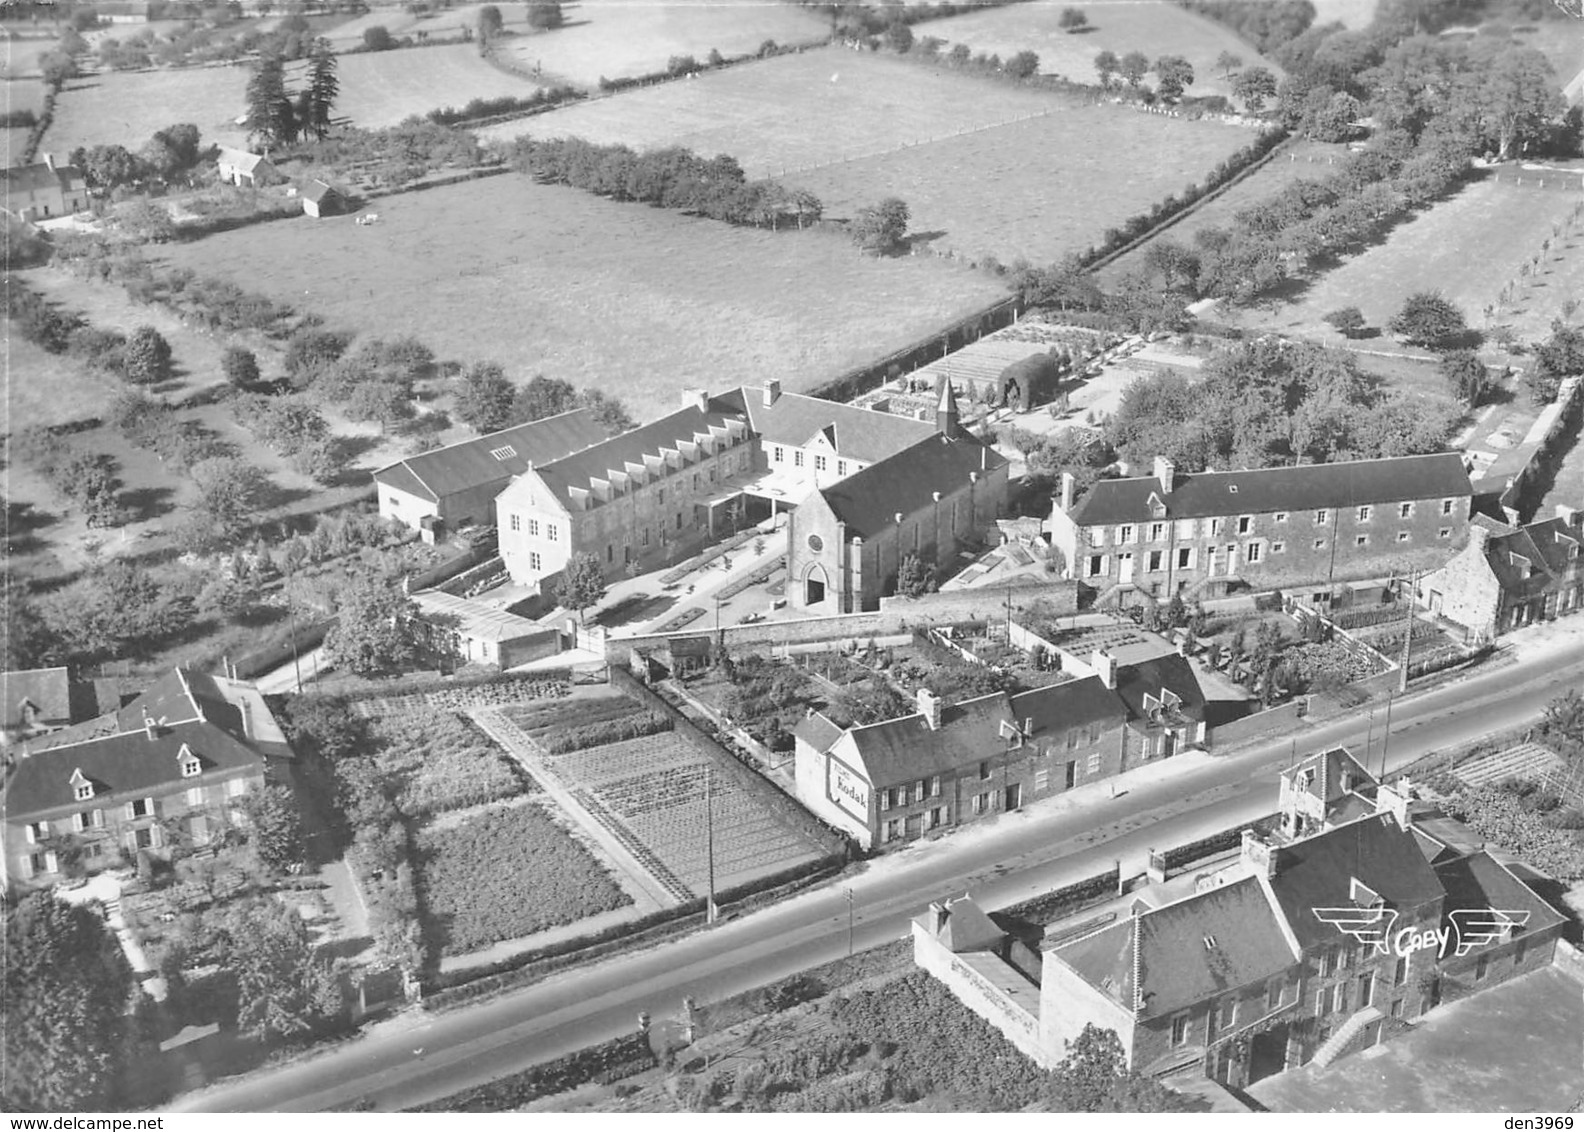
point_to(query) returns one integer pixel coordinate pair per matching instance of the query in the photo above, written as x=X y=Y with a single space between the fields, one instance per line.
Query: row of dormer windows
x=1244 y=524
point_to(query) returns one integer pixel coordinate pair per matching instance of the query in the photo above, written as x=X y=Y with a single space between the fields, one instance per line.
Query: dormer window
x=1210 y=942
x=82 y=789
x=190 y=766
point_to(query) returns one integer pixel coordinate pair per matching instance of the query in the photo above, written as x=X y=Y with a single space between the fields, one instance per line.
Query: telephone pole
x=710 y=910
x=1408 y=623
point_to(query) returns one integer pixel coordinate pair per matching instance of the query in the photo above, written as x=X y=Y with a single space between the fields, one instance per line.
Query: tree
x=94 y=487
x=1227 y=62
x=374 y=633
x=490 y=24
x=323 y=88
x=485 y=398
x=57 y=68
x=1173 y=75
x=1558 y=357
x=107 y=166
x=544 y=15
x=268 y=107
x=229 y=494
x=283 y=987
x=1072 y=20
x=1518 y=97
x=1023 y=65
x=1347 y=320
x=1106 y=64
x=378 y=38
x=146 y=358
x=1253 y=87
x=1466 y=376
x=1428 y=319
x=582 y=583
x=544 y=397
x=274 y=827
x=62 y=1009
x=881 y=228
x=382 y=401
x=1562 y=726
x=240 y=367
x=915 y=577
x=1094 y=1077
x=898 y=37
x=1133 y=67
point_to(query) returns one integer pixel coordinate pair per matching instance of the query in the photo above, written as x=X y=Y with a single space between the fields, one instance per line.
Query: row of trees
x=276 y=115
x=673 y=177
x=169 y=154
x=1173 y=73
x=487 y=401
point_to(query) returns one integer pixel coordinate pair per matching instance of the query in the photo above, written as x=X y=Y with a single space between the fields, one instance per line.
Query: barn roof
x=318 y=192
x=240 y=159
x=494 y=457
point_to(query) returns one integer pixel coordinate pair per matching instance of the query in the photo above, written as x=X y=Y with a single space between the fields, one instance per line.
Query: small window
x=1322 y=517
x=1094 y=764
x=1156 y=560
x=1319 y=544
x=516 y=522
x=83 y=792
x=1361 y=540
x=195 y=796
x=1365 y=512
x=1096 y=565
x=1125 y=534
x=141 y=807
x=1179 y=1029
x=236 y=787
x=934 y=787
x=984 y=770
x=1444 y=533
x=841 y=467
x=1245 y=525
x=1405 y=510
x=1281 y=516
x=1446 y=506
x=1403 y=536
x=535 y=562
x=1278 y=547
x=1184 y=557
x=1157 y=531
x=505 y=452
x=779 y=454
x=37 y=831
x=819 y=462
x=797 y=459
x=1253 y=551
x=533 y=527
x=550 y=531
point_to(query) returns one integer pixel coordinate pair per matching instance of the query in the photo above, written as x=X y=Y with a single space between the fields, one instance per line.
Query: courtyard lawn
x=1512 y=1048
x=619 y=38
x=794 y=112
x=636 y=302
x=1154 y=27
x=507 y=873
x=1468 y=248
x=1039 y=188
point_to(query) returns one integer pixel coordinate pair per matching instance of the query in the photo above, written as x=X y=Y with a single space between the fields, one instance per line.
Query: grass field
x=637 y=302
x=794 y=111
x=1467 y=247
x=615 y=38
x=1154 y=27
x=443 y=24
x=20 y=94
x=19 y=57
x=1355 y=15
x=1039 y=188
x=1296 y=161
x=381 y=89
x=126 y=108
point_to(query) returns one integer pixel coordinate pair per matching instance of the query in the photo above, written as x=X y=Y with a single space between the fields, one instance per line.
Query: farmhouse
x=657 y=492
x=846 y=543
x=1207 y=533
x=43 y=190
x=320 y=199
x=455 y=486
x=175 y=762
x=1305 y=948
x=243 y=169
x=948 y=765
x=1508 y=577
x=476 y=633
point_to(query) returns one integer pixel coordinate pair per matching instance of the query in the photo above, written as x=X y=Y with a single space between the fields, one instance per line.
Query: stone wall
x=982 y=996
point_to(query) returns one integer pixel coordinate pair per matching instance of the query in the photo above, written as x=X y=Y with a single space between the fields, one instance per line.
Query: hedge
x=603 y=1063
x=1053 y=905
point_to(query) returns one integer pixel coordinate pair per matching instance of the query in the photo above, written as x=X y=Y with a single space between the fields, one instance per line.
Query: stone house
x=1205 y=534
x=43 y=190
x=1508 y=577
x=246 y=170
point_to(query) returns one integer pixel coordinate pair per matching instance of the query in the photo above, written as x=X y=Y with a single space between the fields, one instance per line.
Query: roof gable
x=869 y=500
x=858 y=434
x=1162 y=684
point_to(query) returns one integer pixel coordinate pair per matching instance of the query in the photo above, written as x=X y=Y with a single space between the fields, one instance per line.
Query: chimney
x=937 y=917
x=149 y=728
x=49 y=161
x=1068 y=483
x=695 y=399
x=1569 y=515
x=929 y=705
x=1257 y=855
x=1182 y=645
x=1166 y=473
x=1105 y=667
x=247 y=717
x=772 y=391
x=1479 y=535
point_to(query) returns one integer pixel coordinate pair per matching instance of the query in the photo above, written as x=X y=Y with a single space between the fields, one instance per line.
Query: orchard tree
x=881 y=228
x=230 y=492
x=146 y=357
x=375 y=632
x=1133 y=67
x=898 y=37
x=1428 y=319
x=378 y=38
x=490 y=24
x=1173 y=75
x=1466 y=376
x=1253 y=87
x=1558 y=357
x=1348 y=321
x=582 y=583
x=1072 y=20
x=240 y=367
x=544 y=15
x=1227 y=62
x=484 y=398
x=63 y=1008
x=1106 y=64
x=1023 y=65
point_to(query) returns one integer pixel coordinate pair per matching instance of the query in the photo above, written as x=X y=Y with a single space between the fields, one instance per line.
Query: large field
x=613 y=38
x=1468 y=248
x=1154 y=27
x=382 y=89
x=1295 y=161
x=1040 y=188
x=634 y=301
x=795 y=111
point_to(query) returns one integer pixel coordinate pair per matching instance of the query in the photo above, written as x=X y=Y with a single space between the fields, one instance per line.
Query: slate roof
x=1305 y=487
x=1478 y=881
x=47 y=689
x=25 y=179
x=898 y=750
x=967 y=928
x=1545 y=545
x=1316 y=873
x=857 y=434
x=868 y=501
x=239 y=159
x=1170 y=672
x=1330 y=767
x=577 y=468
x=1072 y=703
x=817 y=731
x=317 y=191
x=471 y=463
x=1197 y=948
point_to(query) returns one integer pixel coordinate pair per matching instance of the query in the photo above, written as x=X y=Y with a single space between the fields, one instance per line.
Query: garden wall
x=1258 y=725
x=1523 y=495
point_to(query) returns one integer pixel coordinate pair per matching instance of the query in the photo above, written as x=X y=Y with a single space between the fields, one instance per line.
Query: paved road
x=415 y=1059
